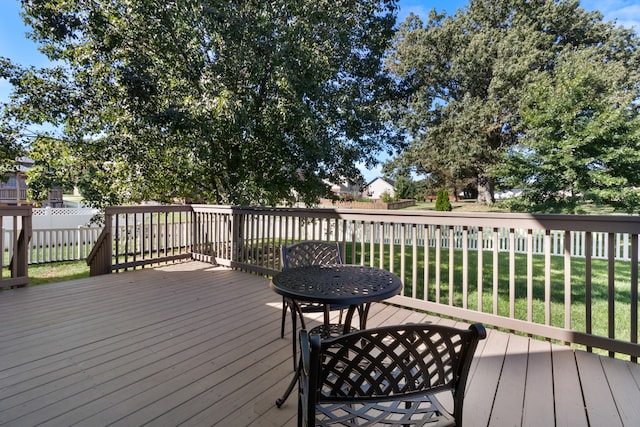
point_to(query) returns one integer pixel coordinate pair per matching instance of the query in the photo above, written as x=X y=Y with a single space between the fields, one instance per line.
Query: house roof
x=391 y=182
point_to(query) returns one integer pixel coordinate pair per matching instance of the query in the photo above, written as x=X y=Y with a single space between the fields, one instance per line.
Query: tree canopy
x=467 y=77
x=582 y=140
x=10 y=147
x=239 y=102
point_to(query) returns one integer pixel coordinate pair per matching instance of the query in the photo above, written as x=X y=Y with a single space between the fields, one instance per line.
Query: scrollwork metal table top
x=343 y=284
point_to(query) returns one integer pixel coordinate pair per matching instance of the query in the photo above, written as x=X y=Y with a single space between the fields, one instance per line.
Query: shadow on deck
x=192 y=344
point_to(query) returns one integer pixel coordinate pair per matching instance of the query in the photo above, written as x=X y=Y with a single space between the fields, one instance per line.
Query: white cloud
x=421 y=11
x=629 y=17
x=624 y=12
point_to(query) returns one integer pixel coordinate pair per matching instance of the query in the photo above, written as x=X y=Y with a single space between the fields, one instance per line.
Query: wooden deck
x=191 y=344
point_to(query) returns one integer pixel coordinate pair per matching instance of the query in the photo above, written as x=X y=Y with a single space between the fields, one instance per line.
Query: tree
x=583 y=137
x=10 y=150
x=405 y=188
x=10 y=147
x=443 y=203
x=465 y=75
x=219 y=101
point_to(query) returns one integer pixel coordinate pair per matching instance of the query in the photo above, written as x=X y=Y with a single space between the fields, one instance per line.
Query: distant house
x=376 y=188
x=13 y=189
x=346 y=190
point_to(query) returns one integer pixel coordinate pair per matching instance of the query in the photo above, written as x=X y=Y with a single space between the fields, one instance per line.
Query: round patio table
x=356 y=286
x=350 y=285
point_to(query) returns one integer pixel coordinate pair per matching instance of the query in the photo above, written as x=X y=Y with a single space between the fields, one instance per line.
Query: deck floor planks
x=124 y=372
x=90 y=301
x=626 y=394
x=234 y=351
x=599 y=403
x=510 y=392
x=112 y=317
x=177 y=371
x=538 y=395
x=195 y=345
x=78 y=357
x=117 y=348
x=569 y=404
x=484 y=380
x=635 y=373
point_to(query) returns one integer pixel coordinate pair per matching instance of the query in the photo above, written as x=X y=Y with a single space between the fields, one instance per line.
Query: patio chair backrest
x=397 y=363
x=310 y=253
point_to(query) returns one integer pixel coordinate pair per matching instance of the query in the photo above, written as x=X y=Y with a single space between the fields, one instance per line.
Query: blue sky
x=16 y=46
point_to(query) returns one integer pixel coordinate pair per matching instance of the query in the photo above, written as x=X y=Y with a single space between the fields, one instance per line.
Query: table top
x=343 y=284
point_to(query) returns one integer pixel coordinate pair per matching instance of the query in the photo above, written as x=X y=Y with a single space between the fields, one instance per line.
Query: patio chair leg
x=285 y=306
x=294 y=326
x=294 y=380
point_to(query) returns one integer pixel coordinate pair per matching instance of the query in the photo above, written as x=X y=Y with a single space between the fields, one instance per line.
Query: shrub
x=442 y=201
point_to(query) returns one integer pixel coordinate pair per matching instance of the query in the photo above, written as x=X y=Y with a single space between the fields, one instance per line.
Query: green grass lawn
x=472 y=206
x=599 y=292
x=54 y=272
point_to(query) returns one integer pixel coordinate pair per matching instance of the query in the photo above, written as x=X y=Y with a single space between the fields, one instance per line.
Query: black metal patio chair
x=386 y=376
x=302 y=254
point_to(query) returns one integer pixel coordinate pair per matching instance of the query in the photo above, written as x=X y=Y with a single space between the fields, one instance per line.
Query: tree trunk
x=485 y=190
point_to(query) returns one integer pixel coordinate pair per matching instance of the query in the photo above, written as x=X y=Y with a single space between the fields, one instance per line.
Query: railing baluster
x=438 y=261
x=512 y=273
x=392 y=246
x=611 y=282
x=480 y=280
x=465 y=267
x=530 y=275
x=634 y=292
x=452 y=265
x=414 y=265
x=567 y=280
x=496 y=277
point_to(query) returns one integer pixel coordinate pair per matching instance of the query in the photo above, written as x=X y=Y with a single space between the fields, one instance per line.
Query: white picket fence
x=72 y=244
x=501 y=237
x=55 y=245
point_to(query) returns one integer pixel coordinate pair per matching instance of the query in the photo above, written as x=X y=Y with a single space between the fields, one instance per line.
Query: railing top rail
x=215 y=208
x=115 y=210
x=601 y=223
x=15 y=210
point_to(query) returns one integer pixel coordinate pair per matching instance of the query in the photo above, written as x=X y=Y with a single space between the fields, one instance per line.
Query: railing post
x=18 y=247
x=237 y=240
x=21 y=256
x=107 y=253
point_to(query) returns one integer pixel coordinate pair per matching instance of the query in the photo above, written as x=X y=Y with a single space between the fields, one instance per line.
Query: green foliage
x=466 y=77
x=386 y=197
x=10 y=147
x=10 y=150
x=583 y=139
x=405 y=188
x=229 y=102
x=443 y=204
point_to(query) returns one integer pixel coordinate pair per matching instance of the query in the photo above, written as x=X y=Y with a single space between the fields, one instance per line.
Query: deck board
x=600 y=405
x=510 y=393
x=625 y=393
x=538 y=395
x=195 y=345
x=569 y=404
